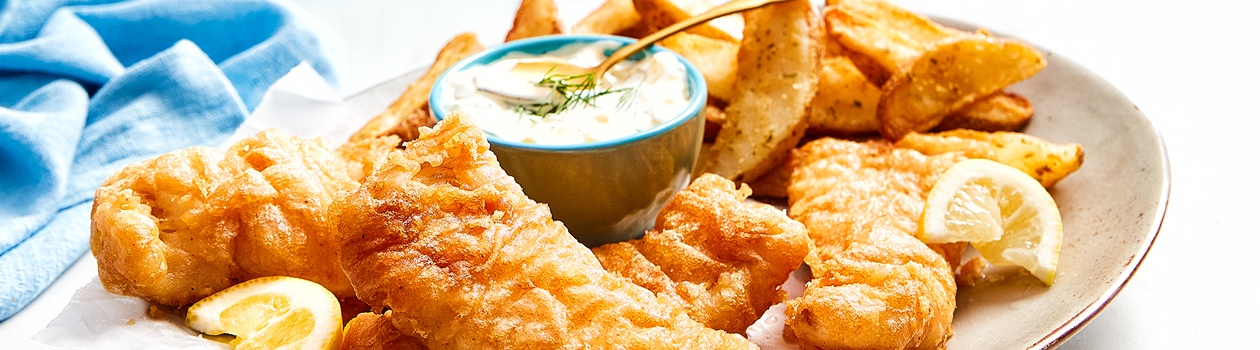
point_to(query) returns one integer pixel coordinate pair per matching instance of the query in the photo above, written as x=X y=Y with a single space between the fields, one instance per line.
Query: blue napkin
x=87 y=87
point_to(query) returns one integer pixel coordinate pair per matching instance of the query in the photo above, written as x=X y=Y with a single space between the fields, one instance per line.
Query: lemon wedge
x=1004 y=213
x=271 y=313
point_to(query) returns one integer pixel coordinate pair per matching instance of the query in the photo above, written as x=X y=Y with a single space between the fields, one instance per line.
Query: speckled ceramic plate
x=1112 y=209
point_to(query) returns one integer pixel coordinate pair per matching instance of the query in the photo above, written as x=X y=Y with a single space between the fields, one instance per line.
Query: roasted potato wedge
x=1045 y=161
x=1004 y=111
x=846 y=101
x=950 y=76
x=779 y=63
x=716 y=60
x=535 y=18
x=876 y=42
x=900 y=20
x=714 y=116
x=658 y=14
x=411 y=110
x=613 y=17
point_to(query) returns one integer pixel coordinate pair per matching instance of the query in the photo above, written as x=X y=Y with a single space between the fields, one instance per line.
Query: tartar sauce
x=632 y=97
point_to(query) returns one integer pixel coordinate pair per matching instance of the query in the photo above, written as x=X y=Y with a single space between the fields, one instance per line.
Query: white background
x=1190 y=66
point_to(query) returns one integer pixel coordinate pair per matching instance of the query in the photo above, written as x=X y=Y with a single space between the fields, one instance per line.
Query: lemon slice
x=271 y=313
x=1005 y=214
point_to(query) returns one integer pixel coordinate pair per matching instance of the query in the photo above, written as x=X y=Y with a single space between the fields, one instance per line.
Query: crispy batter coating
x=370 y=331
x=178 y=227
x=449 y=243
x=720 y=257
x=875 y=285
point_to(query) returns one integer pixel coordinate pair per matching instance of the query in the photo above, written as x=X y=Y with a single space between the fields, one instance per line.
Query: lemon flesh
x=271 y=313
x=1004 y=213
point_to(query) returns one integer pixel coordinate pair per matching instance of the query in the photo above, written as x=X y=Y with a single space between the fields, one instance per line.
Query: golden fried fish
x=449 y=243
x=875 y=285
x=370 y=331
x=720 y=257
x=178 y=227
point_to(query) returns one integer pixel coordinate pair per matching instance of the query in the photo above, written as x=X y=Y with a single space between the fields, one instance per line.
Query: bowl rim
x=696 y=86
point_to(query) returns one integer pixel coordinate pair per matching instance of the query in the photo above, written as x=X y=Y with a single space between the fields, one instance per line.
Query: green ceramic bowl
x=607 y=191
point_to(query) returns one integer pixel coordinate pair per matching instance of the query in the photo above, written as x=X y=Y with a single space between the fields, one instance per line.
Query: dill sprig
x=573 y=91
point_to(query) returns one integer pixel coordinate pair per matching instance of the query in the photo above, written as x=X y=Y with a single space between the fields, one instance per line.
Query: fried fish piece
x=449 y=243
x=875 y=285
x=372 y=331
x=720 y=257
x=178 y=227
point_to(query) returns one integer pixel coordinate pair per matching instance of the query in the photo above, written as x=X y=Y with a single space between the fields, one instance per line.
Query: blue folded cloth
x=87 y=87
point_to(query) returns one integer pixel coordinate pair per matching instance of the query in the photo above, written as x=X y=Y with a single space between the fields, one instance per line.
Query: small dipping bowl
x=606 y=191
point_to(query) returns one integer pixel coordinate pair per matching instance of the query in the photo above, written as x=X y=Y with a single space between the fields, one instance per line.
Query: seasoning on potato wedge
x=779 y=63
x=1045 y=161
x=950 y=76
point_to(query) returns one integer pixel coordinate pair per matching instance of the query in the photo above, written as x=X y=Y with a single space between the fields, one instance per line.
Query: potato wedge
x=714 y=116
x=950 y=76
x=895 y=18
x=658 y=14
x=716 y=60
x=1045 y=161
x=872 y=40
x=779 y=63
x=535 y=18
x=1004 y=111
x=411 y=109
x=846 y=101
x=614 y=16
x=773 y=184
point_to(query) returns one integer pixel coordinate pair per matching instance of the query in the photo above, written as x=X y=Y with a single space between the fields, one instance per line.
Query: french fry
x=411 y=109
x=780 y=59
x=866 y=36
x=716 y=60
x=900 y=20
x=658 y=14
x=714 y=116
x=535 y=18
x=846 y=101
x=613 y=17
x=1004 y=111
x=951 y=76
x=1045 y=161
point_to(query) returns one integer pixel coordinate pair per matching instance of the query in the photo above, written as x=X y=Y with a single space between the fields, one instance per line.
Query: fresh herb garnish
x=571 y=91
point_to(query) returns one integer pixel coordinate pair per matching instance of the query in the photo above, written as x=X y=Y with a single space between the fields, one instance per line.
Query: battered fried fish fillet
x=720 y=257
x=875 y=285
x=178 y=227
x=449 y=243
x=370 y=331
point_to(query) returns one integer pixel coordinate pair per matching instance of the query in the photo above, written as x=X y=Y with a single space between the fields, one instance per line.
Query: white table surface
x=1191 y=66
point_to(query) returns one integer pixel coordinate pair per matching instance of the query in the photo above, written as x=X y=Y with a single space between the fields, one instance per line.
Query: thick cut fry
x=716 y=59
x=951 y=76
x=846 y=101
x=1045 y=161
x=714 y=116
x=411 y=109
x=614 y=16
x=658 y=14
x=535 y=18
x=871 y=39
x=779 y=63
x=1004 y=111
x=910 y=24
